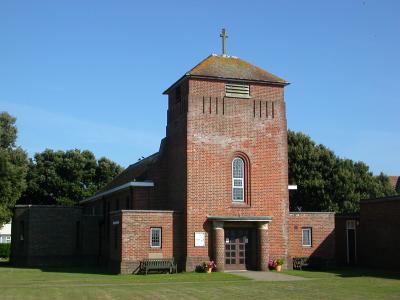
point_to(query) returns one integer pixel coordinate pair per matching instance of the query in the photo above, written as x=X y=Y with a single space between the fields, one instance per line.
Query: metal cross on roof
x=223 y=36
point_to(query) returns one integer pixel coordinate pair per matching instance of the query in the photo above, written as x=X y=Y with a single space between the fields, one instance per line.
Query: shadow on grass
x=5 y=264
x=78 y=269
x=347 y=272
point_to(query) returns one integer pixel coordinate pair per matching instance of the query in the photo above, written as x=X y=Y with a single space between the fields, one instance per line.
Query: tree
x=66 y=177
x=327 y=182
x=13 y=167
x=8 y=131
x=106 y=170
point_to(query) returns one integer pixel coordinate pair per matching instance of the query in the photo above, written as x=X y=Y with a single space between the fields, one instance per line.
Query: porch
x=240 y=243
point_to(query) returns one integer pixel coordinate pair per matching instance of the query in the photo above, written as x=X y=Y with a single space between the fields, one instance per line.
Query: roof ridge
x=216 y=66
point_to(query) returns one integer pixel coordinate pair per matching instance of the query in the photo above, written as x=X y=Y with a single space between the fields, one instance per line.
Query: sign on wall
x=199 y=239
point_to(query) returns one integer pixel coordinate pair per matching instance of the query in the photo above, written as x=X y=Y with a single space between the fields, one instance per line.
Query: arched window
x=238 y=180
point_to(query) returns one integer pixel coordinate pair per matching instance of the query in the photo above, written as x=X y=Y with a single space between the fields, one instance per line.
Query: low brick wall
x=379 y=233
x=53 y=236
x=134 y=229
x=323 y=235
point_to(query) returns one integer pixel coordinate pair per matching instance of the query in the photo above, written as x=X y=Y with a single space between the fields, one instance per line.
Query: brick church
x=216 y=189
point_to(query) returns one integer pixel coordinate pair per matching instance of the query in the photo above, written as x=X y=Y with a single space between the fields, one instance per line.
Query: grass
x=20 y=283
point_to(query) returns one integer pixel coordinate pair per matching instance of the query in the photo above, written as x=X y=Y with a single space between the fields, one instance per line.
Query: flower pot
x=208 y=270
x=279 y=268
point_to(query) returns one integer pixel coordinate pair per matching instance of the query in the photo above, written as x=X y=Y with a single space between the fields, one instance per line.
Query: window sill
x=240 y=205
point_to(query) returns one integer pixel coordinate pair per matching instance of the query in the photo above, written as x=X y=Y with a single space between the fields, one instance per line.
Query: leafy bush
x=199 y=269
x=5 y=250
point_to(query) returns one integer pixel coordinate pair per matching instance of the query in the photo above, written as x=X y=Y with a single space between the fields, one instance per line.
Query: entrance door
x=236 y=249
x=351 y=242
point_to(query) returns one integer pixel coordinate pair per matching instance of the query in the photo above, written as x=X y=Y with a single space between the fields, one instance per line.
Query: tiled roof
x=230 y=67
x=395 y=181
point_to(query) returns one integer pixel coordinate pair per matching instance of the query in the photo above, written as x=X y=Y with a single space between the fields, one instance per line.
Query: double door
x=236 y=249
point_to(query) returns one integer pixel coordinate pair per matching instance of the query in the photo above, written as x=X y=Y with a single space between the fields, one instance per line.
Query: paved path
x=267 y=276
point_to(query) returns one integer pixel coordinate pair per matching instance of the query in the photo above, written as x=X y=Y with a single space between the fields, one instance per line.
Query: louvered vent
x=237 y=90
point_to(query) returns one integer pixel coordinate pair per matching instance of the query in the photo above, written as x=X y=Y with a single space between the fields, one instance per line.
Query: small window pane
x=238 y=168
x=238 y=182
x=238 y=194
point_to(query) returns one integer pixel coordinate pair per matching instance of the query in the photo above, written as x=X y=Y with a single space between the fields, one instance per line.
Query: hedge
x=5 y=250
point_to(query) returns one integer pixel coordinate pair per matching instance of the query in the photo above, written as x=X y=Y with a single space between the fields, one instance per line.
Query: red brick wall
x=143 y=198
x=380 y=233
x=53 y=236
x=323 y=235
x=135 y=236
x=176 y=154
x=216 y=131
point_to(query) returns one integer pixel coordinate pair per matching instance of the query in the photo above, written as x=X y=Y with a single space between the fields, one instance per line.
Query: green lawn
x=18 y=283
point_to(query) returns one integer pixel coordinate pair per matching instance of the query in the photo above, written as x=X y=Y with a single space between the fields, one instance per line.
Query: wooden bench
x=300 y=262
x=158 y=264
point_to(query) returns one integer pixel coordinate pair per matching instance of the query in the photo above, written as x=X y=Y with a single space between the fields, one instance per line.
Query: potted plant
x=209 y=266
x=272 y=264
x=279 y=263
x=276 y=264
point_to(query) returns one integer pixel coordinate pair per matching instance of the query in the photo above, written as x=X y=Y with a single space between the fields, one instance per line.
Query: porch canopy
x=262 y=219
x=231 y=253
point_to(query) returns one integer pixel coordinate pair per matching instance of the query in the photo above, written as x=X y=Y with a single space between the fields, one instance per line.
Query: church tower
x=226 y=149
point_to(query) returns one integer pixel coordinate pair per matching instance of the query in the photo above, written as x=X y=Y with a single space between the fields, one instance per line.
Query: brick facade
x=322 y=227
x=218 y=131
x=370 y=238
x=135 y=229
x=191 y=178
x=53 y=236
x=379 y=233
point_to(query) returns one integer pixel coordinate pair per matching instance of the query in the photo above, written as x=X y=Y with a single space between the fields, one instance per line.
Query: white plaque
x=199 y=239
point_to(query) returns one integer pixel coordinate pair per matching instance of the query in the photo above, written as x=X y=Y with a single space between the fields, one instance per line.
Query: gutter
x=118 y=188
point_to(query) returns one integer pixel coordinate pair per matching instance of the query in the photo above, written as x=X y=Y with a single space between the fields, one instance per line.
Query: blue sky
x=90 y=74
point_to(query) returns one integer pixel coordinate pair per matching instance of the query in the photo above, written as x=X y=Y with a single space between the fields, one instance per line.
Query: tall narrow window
x=78 y=235
x=21 y=230
x=238 y=180
x=178 y=96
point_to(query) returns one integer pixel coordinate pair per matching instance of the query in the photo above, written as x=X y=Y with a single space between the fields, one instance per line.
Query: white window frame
x=241 y=180
x=5 y=239
x=304 y=229
x=159 y=230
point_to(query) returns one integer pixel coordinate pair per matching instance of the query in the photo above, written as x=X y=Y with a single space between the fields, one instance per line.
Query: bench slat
x=158 y=264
